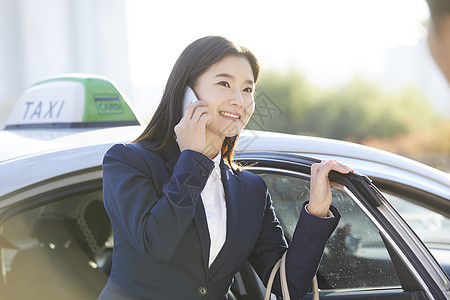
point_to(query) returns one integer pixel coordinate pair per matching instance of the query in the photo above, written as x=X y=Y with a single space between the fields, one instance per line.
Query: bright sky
x=329 y=41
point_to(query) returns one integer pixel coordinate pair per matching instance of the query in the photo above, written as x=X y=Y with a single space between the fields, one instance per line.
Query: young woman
x=185 y=217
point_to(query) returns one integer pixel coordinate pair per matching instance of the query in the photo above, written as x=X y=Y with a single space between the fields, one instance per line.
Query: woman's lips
x=234 y=116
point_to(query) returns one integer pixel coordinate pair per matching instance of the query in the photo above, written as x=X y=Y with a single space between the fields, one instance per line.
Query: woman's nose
x=237 y=99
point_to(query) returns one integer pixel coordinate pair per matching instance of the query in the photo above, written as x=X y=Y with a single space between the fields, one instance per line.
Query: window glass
x=355 y=255
x=57 y=251
x=430 y=226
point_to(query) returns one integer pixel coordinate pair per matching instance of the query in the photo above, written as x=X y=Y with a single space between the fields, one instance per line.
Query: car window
x=430 y=226
x=355 y=255
x=57 y=251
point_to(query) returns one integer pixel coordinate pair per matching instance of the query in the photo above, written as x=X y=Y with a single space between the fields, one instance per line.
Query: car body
x=56 y=240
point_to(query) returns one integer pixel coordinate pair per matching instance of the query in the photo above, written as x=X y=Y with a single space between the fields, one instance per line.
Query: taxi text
x=43 y=109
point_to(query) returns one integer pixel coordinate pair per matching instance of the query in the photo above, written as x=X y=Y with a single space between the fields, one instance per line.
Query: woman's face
x=228 y=87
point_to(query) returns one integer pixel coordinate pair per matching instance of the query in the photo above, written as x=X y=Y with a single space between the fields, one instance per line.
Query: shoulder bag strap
x=281 y=264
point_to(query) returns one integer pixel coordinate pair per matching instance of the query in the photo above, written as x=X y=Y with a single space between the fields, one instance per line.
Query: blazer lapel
x=203 y=233
x=233 y=187
x=171 y=154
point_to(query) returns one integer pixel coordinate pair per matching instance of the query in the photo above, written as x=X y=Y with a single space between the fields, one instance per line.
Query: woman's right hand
x=191 y=130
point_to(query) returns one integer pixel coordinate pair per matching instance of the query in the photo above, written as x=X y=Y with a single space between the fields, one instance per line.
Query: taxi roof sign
x=72 y=101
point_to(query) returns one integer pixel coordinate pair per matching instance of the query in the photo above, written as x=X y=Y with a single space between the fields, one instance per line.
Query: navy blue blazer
x=161 y=238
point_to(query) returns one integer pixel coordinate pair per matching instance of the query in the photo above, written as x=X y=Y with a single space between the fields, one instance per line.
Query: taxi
x=56 y=239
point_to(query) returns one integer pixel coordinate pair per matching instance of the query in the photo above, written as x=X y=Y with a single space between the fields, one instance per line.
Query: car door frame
x=50 y=190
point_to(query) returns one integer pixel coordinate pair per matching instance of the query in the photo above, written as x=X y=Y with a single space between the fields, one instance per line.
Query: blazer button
x=202 y=291
x=204 y=173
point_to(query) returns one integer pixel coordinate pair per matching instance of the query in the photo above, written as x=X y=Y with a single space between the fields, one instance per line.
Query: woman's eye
x=224 y=83
x=248 y=90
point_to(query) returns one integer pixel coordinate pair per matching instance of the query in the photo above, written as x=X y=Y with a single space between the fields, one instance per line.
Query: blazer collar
x=170 y=154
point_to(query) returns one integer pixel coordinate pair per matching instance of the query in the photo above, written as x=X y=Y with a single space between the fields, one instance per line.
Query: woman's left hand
x=320 y=189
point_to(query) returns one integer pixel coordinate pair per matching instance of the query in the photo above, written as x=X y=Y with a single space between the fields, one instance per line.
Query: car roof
x=31 y=142
x=36 y=154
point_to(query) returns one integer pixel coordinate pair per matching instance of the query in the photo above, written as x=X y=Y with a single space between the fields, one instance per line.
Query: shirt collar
x=216 y=159
x=216 y=170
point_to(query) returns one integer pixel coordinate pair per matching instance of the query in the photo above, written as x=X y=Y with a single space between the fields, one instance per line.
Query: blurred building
x=414 y=65
x=42 y=38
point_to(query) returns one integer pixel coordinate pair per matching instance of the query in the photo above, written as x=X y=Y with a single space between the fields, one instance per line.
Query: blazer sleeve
x=153 y=224
x=303 y=254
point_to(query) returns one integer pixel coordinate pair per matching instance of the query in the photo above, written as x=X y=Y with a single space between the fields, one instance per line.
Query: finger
x=315 y=168
x=350 y=169
x=204 y=120
x=324 y=167
x=192 y=106
x=199 y=111
x=186 y=110
x=340 y=169
x=331 y=164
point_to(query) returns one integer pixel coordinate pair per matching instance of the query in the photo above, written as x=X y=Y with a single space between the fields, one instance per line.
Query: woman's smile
x=230 y=116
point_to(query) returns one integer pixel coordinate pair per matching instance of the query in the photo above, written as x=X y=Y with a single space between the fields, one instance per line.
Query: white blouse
x=213 y=197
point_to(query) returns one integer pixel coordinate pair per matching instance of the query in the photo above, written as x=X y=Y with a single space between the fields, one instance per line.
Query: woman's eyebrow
x=226 y=75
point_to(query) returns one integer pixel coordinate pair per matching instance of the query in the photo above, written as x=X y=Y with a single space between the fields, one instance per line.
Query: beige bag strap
x=284 y=287
x=281 y=264
x=271 y=278
x=315 y=288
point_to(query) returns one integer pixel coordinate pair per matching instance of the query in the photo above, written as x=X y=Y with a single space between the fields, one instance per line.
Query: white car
x=56 y=239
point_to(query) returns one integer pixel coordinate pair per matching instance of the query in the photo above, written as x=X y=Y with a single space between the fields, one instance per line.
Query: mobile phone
x=189 y=96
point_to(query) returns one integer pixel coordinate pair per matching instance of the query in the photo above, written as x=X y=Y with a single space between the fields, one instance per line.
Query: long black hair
x=193 y=62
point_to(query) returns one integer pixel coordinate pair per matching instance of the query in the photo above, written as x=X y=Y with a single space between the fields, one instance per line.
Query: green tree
x=357 y=110
x=281 y=101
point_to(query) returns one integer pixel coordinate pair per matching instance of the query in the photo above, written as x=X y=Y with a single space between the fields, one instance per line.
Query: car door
x=55 y=239
x=373 y=254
